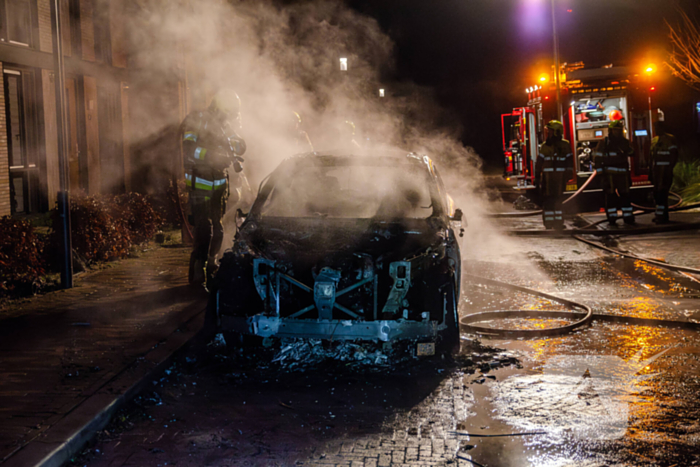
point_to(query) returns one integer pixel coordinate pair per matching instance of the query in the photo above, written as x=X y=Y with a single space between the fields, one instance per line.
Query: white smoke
x=285 y=59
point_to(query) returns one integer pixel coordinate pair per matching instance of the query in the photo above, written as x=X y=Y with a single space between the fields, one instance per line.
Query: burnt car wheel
x=449 y=342
x=210 y=319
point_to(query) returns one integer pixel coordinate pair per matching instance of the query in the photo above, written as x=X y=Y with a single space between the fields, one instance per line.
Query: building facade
x=97 y=76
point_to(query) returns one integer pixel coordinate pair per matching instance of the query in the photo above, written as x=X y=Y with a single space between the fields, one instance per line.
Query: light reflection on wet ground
x=587 y=390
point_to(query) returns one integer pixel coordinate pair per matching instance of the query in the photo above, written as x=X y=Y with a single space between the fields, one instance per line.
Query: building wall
x=92 y=136
x=92 y=71
x=45 y=34
x=87 y=30
x=117 y=17
x=44 y=12
x=51 y=136
x=5 y=208
x=126 y=135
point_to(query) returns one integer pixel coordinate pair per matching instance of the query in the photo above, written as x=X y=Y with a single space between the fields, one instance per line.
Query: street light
x=62 y=134
x=556 y=62
x=649 y=70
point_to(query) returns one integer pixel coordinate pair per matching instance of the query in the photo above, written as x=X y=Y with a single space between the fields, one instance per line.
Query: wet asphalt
x=607 y=395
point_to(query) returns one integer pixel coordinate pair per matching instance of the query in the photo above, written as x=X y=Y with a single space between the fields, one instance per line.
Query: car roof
x=331 y=160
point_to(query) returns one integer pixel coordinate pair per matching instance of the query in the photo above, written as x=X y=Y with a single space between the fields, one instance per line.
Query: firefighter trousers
x=661 y=201
x=207 y=213
x=552 y=216
x=623 y=202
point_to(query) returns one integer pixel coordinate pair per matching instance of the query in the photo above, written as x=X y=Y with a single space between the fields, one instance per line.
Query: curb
x=57 y=445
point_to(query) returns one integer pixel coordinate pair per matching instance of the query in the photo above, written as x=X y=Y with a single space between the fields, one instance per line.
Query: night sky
x=480 y=55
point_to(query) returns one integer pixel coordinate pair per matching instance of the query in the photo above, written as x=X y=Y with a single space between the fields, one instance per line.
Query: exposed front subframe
x=385 y=331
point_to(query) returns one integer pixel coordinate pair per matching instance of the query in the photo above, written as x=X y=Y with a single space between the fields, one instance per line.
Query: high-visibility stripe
x=203 y=184
x=665 y=153
x=549 y=212
x=188 y=180
x=627 y=209
x=612 y=210
x=559 y=218
x=541 y=155
x=199 y=153
x=662 y=163
x=561 y=169
x=190 y=136
x=551 y=169
x=672 y=147
x=549 y=218
x=557 y=212
x=613 y=153
x=599 y=170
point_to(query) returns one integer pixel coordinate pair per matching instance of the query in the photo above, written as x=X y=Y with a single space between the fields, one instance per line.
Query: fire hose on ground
x=583 y=317
x=587 y=230
x=537 y=213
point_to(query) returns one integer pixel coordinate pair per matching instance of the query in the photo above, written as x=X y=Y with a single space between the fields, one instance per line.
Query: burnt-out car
x=345 y=248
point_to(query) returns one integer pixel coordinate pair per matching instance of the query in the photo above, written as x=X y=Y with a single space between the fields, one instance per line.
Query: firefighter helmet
x=226 y=101
x=556 y=127
x=616 y=125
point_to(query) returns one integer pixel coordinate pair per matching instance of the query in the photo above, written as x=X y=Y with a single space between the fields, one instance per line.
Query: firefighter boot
x=196 y=272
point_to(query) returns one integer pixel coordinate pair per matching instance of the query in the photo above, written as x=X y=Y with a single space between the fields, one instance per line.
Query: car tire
x=449 y=338
x=210 y=326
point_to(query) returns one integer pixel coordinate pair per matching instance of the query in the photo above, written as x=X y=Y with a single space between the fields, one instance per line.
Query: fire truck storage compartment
x=592 y=115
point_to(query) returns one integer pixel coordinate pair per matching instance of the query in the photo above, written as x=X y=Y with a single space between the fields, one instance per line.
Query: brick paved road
x=58 y=349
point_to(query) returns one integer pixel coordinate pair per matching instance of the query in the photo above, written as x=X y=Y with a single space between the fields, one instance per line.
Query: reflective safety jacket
x=210 y=145
x=611 y=160
x=555 y=165
x=664 y=155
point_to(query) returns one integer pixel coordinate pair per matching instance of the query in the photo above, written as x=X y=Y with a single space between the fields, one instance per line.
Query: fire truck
x=590 y=98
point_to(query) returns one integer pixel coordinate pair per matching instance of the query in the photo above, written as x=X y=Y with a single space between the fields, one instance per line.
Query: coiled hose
x=583 y=318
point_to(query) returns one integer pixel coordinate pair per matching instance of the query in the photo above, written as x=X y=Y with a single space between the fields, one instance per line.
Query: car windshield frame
x=293 y=166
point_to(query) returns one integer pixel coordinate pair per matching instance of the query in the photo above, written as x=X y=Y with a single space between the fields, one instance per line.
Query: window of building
x=24 y=171
x=16 y=22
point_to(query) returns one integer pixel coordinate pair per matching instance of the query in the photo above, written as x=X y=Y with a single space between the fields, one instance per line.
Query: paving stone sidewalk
x=58 y=349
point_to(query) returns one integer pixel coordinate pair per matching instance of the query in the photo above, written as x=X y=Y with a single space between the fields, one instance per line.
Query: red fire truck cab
x=590 y=99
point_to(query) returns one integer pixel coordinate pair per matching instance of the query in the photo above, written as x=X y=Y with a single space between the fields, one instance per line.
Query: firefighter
x=210 y=144
x=348 y=138
x=664 y=155
x=301 y=137
x=554 y=167
x=611 y=161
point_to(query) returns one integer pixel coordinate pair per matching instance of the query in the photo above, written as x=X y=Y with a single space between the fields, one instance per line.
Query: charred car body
x=345 y=248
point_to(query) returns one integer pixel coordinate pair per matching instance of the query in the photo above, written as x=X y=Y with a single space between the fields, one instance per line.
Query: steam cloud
x=285 y=59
